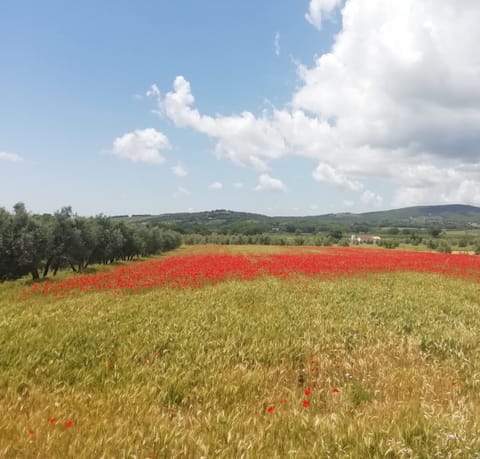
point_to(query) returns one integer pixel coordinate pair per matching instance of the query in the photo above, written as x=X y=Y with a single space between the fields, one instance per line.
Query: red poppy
x=271 y=409
x=305 y=403
x=52 y=421
x=335 y=390
x=31 y=433
x=69 y=423
x=197 y=270
x=308 y=391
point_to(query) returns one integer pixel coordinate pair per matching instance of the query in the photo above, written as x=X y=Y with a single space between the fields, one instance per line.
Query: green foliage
x=388 y=243
x=30 y=243
x=359 y=394
x=444 y=247
x=335 y=234
x=225 y=221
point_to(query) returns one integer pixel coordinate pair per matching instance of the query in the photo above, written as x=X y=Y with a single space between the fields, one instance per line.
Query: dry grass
x=193 y=373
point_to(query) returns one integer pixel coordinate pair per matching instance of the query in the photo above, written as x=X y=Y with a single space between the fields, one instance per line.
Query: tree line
x=43 y=244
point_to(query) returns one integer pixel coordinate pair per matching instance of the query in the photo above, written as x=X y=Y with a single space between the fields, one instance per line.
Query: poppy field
x=246 y=352
x=199 y=269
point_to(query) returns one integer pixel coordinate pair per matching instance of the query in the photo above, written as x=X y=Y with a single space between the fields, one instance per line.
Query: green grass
x=169 y=373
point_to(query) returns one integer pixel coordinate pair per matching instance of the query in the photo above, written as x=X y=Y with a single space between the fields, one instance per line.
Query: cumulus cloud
x=141 y=145
x=12 y=157
x=180 y=170
x=267 y=183
x=431 y=184
x=216 y=186
x=395 y=78
x=244 y=139
x=318 y=9
x=395 y=100
x=326 y=173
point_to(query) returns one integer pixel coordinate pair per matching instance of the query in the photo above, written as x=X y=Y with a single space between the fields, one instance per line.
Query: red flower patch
x=193 y=271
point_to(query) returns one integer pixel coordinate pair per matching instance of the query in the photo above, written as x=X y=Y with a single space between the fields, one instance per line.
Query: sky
x=292 y=107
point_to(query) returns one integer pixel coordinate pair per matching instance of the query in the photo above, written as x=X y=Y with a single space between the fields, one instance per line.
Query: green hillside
x=445 y=216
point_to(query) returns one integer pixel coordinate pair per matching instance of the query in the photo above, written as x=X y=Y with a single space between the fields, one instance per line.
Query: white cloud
x=276 y=44
x=244 y=139
x=153 y=91
x=180 y=170
x=370 y=198
x=326 y=173
x=215 y=186
x=395 y=80
x=436 y=185
x=267 y=183
x=318 y=9
x=141 y=146
x=396 y=100
x=12 y=157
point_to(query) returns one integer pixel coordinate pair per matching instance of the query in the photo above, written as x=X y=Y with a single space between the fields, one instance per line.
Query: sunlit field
x=255 y=352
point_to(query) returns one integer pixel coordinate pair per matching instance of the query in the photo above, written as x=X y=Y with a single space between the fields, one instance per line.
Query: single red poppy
x=271 y=409
x=335 y=390
x=69 y=423
x=306 y=403
x=52 y=421
x=308 y=391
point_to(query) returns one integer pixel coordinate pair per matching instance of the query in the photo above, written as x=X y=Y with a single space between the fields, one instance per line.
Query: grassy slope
x=420 y=216
x=191 y=373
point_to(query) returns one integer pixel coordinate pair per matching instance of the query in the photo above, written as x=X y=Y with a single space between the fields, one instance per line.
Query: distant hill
x=445 y=216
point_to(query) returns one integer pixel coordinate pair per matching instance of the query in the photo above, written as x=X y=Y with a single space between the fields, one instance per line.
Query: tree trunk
x=34 y=273
x=47 y=266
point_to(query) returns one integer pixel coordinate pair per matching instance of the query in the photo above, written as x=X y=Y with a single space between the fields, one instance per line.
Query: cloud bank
x=396 y=100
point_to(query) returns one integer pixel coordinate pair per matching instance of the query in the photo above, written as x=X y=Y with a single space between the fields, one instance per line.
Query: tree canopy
x=40 y=244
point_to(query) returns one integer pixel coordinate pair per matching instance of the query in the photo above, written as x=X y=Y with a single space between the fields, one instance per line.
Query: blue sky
x=283 y=108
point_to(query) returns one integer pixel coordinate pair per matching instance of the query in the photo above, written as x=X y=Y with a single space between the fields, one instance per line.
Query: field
x=255 y=352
